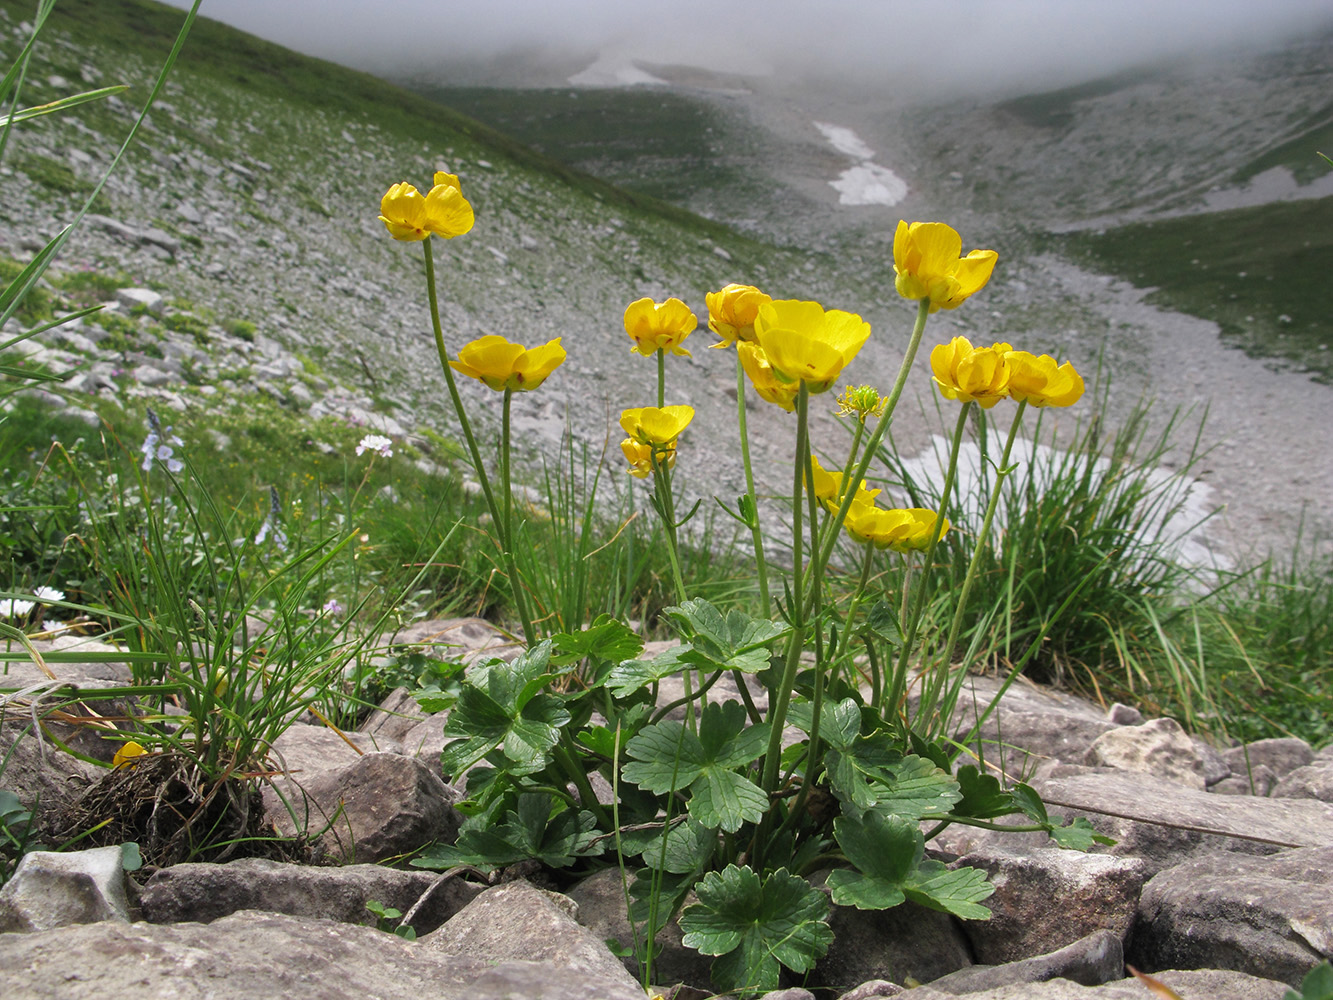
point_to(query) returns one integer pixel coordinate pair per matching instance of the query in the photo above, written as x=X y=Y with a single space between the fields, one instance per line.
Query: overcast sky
x=959 y=44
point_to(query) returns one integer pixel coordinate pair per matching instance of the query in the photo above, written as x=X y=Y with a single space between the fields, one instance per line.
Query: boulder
x=1281 y=756
x=907 y=941
x=1090 y=961
x=206 y=892
x=1096 y=892
x=1160 y=748
x=1209 y=984
x=50 y=890
x=1313 y=781
x=1270 y=917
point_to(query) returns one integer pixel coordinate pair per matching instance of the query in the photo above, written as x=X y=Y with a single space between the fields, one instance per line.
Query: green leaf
x=605 y=639
x=130 y=858
x=983 y=798
x=634 y=675
x=666 y=757
x=689 y=846
x=958 y=891
x=535 y=825
x=882 y=622
x=733 y=641
x=1079 y=835
x=1027 y=800
x=1317 y=984
x=917 y=788
x=885 y=851
x=755 y=926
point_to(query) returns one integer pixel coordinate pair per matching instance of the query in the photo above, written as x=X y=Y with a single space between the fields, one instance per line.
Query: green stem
x=755 y=532
x=568 y=762
x=478 y=466
x=918 y=603
x=1001 y=472
x=780 y=699
x=667 y=506
x=661 y=379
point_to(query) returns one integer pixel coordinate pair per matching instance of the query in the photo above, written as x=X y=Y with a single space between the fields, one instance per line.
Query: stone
x=1090 y=961
x=1313 y=781
x=146 y=298
x=601 y=902
x=45 y=779
x=1281 y=756
x=1270 y=917
x=1160 y=748
x=1210 y=984
x=278 y=957
x=1216 y=767
x=382 y=806
x=50 y=889
x=872 y=989
x=206 y=892
x=461 y=639
x=1095 y=891
x=794 y=993
x=520 y=921
x=907 y=941
x=1124 y=715
x=397 y=715
x=1259 y=781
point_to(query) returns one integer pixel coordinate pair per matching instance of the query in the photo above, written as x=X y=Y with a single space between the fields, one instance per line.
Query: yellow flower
x=804 y=342
x=863 y=401
x=926 y=257
x=125 y=755
x=504 y=365
x=828 y=489
x=903 y=530
x=968 y=373
x=731 y=312
x=651 y=425
x=1042 y=381
x=640 y=457
x=755 y=363
x=443 y=211
x=659 y=326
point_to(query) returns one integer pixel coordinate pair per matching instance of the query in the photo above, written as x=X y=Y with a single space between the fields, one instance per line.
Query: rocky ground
x=1220 y=880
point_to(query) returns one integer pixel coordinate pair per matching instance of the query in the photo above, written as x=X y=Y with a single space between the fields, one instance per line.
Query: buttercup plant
x=721 y=807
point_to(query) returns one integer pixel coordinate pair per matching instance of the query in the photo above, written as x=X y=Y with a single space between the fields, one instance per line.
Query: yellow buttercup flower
x=504 y=365
x=903 y=530
x=656 y=426
x=659 y=326
x=968 y=373
x=442 y=211
x=805 y=343
x=1042 y=381
x=125 y=755
x=640 y=457
x=755 y=363
x=926 y=258
x=828 y=489
x=731 y=312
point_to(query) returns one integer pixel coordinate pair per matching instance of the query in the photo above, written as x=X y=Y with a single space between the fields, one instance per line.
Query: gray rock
x=520 y=921
x=1208 y=984
x=382 y=806
x=1313 y=781
x=1093 y=960
x=145 y=297
x=398 y=714
x=874 y=988
x=45 y=779
x=1270 y=917
x=206 y=892
x=274 y=956
x=1216 y=767
x=50 y=890
x=1124 y=715
x=1281 y=756
x=462 y=639
x=1259 y=781
x=908 y=941
x=1095 y=892
x=1160 y=748
x=601 y=903
x=795 y=993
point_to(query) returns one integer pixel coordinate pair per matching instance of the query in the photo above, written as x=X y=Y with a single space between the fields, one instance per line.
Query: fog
x=967 y=46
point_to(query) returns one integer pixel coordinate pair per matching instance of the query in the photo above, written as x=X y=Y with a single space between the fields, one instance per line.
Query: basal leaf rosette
x=659 y=326
x=770 y=388
x=732 y=311
x=901 y=529
x=806 y=343
x=926 y=257
x=504 y=365
x=442 y=211
x=971 y=374
x=1040 y=380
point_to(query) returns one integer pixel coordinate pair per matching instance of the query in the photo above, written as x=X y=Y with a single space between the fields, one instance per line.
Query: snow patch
x=612 y=70
x=867 y=183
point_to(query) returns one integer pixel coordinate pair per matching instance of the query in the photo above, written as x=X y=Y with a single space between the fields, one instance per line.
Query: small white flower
x=48 y=594
x=376 y=443
x=14 y=608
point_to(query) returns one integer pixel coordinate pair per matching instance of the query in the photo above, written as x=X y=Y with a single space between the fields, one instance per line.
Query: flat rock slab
x=273 y=956
x=1206 y=984
x=1283 y=822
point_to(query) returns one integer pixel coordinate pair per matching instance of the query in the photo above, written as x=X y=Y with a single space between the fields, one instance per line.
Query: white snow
x=613 y=70
x=866 y=183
